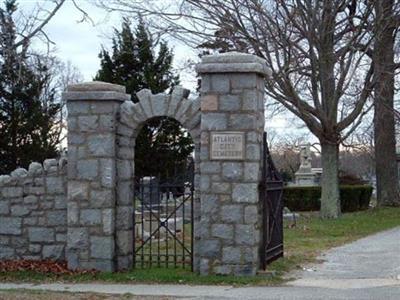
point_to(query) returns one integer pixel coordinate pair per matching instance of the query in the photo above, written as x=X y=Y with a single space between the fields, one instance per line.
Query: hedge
x=307 y=198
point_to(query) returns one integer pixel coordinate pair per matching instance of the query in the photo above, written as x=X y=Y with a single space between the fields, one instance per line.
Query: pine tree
x=26 y=119
x=134 y=64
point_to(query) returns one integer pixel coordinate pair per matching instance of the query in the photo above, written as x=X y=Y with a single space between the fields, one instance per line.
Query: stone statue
x=305 y=176
x=305 y=159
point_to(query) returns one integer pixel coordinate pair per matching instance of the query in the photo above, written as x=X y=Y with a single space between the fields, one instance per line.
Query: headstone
x=150 y=192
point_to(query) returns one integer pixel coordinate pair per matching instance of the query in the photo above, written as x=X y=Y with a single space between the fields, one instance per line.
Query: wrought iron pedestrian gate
x=163 y=220
x=271 y=189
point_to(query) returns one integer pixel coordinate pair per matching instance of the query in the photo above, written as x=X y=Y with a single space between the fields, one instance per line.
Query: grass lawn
x=303 y=243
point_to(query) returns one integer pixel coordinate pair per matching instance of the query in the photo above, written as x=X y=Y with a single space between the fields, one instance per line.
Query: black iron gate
x=271 y=189
x=163 y=220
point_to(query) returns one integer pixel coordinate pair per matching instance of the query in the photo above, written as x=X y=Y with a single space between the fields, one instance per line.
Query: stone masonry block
x=101 y=198
x=41 y=234
x=250 y=100
x=220 y=83
x=245 y=193
x=210 y=248
x=251 y=171
x=12 y=192
x=76 y=138
x=102 y=247
x=60 y=202
x=245 y=270
x=4 y=207
x=249 y=254
x=101 y=107
x=231 y=213
x=232 y=171
x=90 y=217
x=88 y=123
x=72 y=213
x=209 y=204
x=124 y=192
x=101 y=145
x=87 y=169
x=160 y=102
x=222 y=231
x=20 y=210
x=78 y=190
x=54 y=185
x=210 y=167
x=246 y=235
x=214 y=121
x=54 y=252
x=57 y=218
x=78 y=238
x=78 y=107
x=106 y=123
x=124 y=218
x=108 y=219
x=204 y=183
x=124 y=242
x=220 y=187
x=223 y=270
x=7 y=253
x=250 y=214
x=243 y=121
x=107 y=174
x=124 y=169
x=209 y=103
x=229 y=103
x=10 y=226
x=231 y=255
x=244 y=81
x=253 y=152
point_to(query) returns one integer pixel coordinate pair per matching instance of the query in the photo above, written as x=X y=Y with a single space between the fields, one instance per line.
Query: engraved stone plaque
x=227 y=145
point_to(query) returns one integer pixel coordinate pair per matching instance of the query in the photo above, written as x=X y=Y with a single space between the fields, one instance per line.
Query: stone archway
x=132 y=116
x=226 y=124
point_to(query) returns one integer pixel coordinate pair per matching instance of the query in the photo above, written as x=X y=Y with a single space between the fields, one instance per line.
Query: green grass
x=303 y=243
x=154 y=275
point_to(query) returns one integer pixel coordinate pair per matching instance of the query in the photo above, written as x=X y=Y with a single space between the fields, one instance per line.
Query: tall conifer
x=136 y=62
x=27 y=120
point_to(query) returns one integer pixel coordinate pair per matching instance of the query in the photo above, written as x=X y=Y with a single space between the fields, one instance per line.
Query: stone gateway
x=81 y=209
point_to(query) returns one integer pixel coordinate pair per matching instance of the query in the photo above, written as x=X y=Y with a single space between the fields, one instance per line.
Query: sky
x=81 y=42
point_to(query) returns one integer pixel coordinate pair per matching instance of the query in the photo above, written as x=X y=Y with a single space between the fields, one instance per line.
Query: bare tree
x=313 y=49
x=387 y=24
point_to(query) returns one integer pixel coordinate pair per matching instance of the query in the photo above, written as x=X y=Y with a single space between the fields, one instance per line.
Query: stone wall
x=33 y=214
x=94 y=200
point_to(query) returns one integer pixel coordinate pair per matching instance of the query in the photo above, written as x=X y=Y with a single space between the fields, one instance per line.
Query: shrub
x=307 y=198
x=346 y=178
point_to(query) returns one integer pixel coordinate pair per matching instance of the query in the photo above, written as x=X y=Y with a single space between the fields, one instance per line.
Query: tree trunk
x=384 y=124
x=330 y=197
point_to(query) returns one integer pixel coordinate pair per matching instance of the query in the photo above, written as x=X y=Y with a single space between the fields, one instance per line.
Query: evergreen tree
x=26 y=119
x=133 y=63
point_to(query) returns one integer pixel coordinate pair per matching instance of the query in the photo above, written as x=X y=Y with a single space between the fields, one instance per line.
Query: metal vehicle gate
x=163 y=220
x=271 y=189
